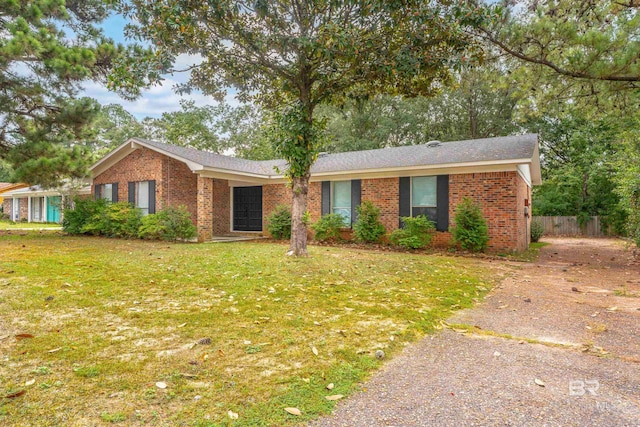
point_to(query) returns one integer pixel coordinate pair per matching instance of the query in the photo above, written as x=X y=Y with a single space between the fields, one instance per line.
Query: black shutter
x=152 y=196
x=356 y=185
x=326 y=197
x=96 y=192
x=132 y=193
x=442 y=198
x=114 y=192
x=404 y=197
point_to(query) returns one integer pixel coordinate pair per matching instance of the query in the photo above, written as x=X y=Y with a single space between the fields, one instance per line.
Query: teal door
x=53 y=209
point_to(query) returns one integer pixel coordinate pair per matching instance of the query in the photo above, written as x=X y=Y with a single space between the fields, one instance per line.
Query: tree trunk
x=300 y=189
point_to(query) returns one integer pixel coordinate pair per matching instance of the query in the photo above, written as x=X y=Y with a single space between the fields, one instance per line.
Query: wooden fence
x=568 y=226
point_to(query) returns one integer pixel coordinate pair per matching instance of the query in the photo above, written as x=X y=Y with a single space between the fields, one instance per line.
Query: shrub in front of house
x=168 y=224
x=279 y=223
x=537 y=230
x=368 y=227
x=77 y=218
x=328 y=227
x=116 y=220
x=471 y=231
x=416 y=233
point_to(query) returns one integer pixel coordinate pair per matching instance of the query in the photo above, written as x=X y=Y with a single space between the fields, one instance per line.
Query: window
x=107 y=192
x=142 y=196
x=36 y=209
x=341 y=200
x=424 y=196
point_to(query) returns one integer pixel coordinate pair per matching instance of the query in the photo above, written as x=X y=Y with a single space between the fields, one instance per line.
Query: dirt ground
x=557 y=343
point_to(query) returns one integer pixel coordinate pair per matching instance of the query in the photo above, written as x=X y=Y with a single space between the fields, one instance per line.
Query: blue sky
x=156 y=100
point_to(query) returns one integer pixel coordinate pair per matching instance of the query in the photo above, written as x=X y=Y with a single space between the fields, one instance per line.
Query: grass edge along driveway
x=103 y=331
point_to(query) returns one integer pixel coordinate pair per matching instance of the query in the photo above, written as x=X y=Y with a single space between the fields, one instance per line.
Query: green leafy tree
x=628 y=177
x=479 y=105
x=112 y=126
x=305 y=53
x=48 y=48
x=571 y=47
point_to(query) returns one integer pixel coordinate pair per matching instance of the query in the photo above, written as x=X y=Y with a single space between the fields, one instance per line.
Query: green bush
x=368 y=227
x=279 y=223
x=77 y=217
x=117 y=220
x=168 y=224
x=328 y=227
x=416 y=232
x=471 y=231
x=537 y=230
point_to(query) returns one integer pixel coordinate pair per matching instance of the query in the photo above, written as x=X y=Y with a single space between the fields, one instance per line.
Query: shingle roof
x=499 y=150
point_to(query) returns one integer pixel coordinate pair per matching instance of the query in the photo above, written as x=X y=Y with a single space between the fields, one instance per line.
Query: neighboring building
x=228 y=195
x=35 y=204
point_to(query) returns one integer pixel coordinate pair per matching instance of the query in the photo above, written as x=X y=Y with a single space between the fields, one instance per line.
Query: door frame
x=232 y=206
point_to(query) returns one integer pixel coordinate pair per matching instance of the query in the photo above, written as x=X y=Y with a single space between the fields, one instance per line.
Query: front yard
x=10 y=225
x=100 y=331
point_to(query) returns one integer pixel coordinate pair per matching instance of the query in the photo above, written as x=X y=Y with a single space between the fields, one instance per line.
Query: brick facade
x=501 y=196
x=176 y=184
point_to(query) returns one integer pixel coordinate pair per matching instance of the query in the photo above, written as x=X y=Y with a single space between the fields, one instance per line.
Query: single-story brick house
x=227 y=195
x=34 y=203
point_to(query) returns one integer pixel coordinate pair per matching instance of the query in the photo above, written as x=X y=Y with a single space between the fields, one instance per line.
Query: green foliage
x=328 y=227
x=471 y=231
x=537 y=230
x=77 y=217
x=368 y=227
x=279 y=222
x=416 y=232
x=49 y=49
x=628 y=178
x=168 y=224
x=116 y=220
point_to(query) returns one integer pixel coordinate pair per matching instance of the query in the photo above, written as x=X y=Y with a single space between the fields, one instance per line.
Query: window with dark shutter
x=428 y=196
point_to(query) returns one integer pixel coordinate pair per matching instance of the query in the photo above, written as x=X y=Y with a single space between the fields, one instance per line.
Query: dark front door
x=247 y=208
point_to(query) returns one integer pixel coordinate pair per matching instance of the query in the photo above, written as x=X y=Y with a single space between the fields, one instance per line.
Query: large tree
x=47 y=49
x=293 y=55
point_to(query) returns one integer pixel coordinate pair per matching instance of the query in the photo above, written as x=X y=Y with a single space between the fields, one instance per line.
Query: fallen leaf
x=293 y=411
x=14 y=394
x=23 y=336
x=182 y=325
x=497 y=354
x=612 y=309
x=53 y=350
x=306 y=380
x=334 y=397
x=330 y=386
x=314 y=350
x=161 y=385
x=30 y=382
x=4 y=337
x=232 y=415
x=539 y=382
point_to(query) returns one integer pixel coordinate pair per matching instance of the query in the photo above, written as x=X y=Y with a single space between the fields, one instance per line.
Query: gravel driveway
x=557 y=343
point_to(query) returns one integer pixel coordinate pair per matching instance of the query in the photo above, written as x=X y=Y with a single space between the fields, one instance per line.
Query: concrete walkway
x=556 y=344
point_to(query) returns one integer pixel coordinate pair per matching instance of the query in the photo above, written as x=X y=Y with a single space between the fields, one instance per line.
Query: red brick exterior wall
x=24 y=208
x=500 y=196
x=384 y=193
x=176 y=184
x=205 y=205
x=221 y=207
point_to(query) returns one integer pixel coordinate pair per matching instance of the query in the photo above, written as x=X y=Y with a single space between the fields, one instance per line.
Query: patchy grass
x=10 y=225
x=531 y=254
x=146 y=333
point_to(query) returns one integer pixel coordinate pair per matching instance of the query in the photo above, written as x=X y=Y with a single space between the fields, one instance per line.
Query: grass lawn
x=110 y=323
x=8 y=225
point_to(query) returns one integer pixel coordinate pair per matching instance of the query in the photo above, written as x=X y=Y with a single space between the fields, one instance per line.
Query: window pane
x=341 y=200
x=107 y=192
x=424 y=191
x=142 y=196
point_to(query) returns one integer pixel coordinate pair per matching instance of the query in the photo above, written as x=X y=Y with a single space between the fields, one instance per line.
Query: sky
x=156 y=100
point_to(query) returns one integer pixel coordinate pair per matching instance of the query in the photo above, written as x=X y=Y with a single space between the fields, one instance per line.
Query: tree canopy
x=303 y=53
x=47 y=49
